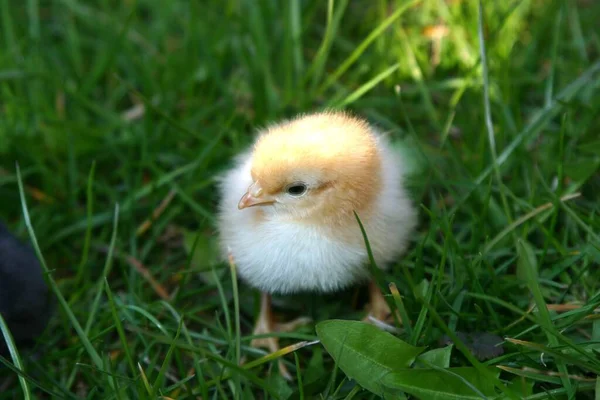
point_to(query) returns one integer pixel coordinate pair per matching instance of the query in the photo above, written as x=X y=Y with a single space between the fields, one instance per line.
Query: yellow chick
x=287 y=209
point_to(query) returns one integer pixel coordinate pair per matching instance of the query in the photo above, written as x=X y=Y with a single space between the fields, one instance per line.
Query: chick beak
x=254 y=197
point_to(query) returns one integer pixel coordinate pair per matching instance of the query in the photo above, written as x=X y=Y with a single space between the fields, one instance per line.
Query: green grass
x=111 y=108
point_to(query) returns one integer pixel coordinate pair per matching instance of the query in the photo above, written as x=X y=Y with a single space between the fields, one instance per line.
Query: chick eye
x=296 y=189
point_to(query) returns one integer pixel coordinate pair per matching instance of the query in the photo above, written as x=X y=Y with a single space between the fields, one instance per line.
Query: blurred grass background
x=141 y=103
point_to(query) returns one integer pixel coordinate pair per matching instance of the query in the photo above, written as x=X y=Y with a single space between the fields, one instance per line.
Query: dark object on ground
x=24 y=297
x=483 y=345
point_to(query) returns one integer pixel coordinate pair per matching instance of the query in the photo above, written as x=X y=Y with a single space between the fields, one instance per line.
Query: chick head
x=321 y=166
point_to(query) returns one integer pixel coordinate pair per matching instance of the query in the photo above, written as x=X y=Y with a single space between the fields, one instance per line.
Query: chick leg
x=266 y=324
x=377 y=307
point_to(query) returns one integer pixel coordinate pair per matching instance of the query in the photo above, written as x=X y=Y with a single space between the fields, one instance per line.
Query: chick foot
x=265 y=324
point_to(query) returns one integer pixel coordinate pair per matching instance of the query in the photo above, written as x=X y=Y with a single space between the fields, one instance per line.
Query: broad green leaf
x=315 y=369
x=364 y=352
x=521 y=386
x=462 y=383
x=436 y=357
x=278 y=383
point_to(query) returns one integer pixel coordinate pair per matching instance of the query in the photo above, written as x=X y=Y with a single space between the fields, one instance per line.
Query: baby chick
x=287 y=209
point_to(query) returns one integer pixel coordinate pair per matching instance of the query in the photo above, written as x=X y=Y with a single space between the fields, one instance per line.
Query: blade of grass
x=88 y=231
x=144 y=379
x=294 y=62
x=63 y=302
x=105 y=272
x=33 y=14
x=119 y=326
x=400 y=305
x=265 y=359
x=8 y=30
x=54 y=395
x=108 y=57
x=365 y=87
x=417 y=75
x=93 y=16
x=556 y=352
x=422 y=318
x=519 y=221
x=114 y=379
x=581 y=223
x=197 y=365
x=360 y=49
x=375 y=271
x=299 y=376
x=533 y=283
x=576 y=32
x=553 y=56
x=238 y=329
x=148 y=316
x=158 y=383
x=96 y=302
x=315 y=71
x=557 y=393
x=488 y=114
x=14 y=354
